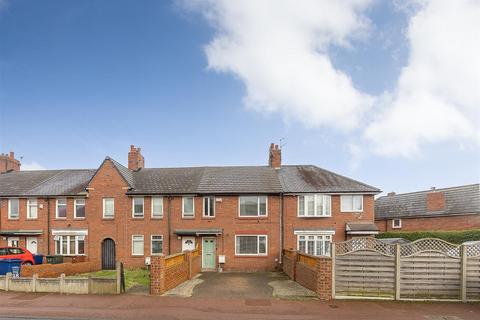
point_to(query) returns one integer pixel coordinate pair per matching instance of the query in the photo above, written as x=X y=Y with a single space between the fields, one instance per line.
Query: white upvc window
x=188 y=207
x=13 y=241
x=351 y=203
x=251 y=245
x=69 y=245
x=315 y=205
x=253 y=206
x=108 y=208
x=314 y=244
x=137 y=245
x=79 y=208
x=397 y=223
x=209 y=207
x=157 y=207
x=13 y=208
x=137 y=207
x=156 y=245
x=61 y=209
x=32 y=209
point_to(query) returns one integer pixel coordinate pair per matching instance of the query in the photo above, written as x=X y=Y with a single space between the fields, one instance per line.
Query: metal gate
x=108 y=254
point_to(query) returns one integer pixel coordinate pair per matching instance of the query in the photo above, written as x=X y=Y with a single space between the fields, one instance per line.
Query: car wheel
x=28 y=263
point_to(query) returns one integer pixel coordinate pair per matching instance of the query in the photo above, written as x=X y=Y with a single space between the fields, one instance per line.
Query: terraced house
x=239 y=217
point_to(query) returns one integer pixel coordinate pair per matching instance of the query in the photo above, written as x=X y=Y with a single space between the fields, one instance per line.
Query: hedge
x=457 y=237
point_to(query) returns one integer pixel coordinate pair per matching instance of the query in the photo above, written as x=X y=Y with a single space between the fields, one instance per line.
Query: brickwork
x=8 y=162
x=289 y=262
x=445 y=223
x=435 y=201
x=324 y=278
x=55 y=270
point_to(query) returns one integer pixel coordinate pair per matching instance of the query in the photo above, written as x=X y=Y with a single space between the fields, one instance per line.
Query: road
x=54 y=306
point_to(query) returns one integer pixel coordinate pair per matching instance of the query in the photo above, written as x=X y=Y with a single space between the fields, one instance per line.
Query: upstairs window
x=79 y=208
x=351 y=203
x=13 y=209
x=137 y=207
x=108 y=208
x=209 y=207
x=32 y=209
x=188 y=207
x=61 y=211
x=157 y=207
x=315 y=205
x=253 y=206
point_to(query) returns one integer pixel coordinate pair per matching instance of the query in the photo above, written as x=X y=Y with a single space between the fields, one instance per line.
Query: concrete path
x=55 y=306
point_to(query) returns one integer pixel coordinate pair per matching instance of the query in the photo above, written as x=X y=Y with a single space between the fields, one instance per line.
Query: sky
x=386 y=92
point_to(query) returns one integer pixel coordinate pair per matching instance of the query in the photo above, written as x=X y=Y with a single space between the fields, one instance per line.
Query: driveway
x=242 y=285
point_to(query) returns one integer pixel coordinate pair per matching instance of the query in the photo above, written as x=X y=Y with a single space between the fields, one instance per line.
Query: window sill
x=310 y=217
x=108 y=219
x=32 y=219
x=156 y=218
x=251 y=256
x=79 y=218
x=14 y=219
x=360 y=211
x=188 y=218
x=138 y=218
x=252 y=217
x=137 y=255
x=208 y=218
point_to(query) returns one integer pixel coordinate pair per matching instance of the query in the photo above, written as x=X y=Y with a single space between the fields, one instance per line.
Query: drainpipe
x=48 y=226
x=281 y=229
x=169 y=224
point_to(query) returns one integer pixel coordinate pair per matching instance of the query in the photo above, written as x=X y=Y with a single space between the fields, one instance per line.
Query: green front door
x=208 y=253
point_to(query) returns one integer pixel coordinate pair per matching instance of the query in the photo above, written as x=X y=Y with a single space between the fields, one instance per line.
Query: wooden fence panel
x=473 y=278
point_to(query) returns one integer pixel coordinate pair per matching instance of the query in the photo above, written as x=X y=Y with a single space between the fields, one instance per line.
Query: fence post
x=188 y=257
x=118 y=274
x=397 y=271
x=463 y=272
x=157 y=275
x=332 y=252
x=34 y=282
x=8 y=276
x=62 y=283
x=294 y=265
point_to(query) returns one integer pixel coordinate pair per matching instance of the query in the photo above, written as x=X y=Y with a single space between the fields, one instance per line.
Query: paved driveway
x=242 y=285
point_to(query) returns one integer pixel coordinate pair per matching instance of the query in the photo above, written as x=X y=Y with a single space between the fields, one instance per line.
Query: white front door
x=13 y=241
x=188 y=243
x=32 y=244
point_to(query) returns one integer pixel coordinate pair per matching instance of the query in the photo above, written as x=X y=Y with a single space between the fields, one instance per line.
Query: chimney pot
x=432 y=188
x=135 y=158
x=8 y=162
x=275 y=156
x=391 y=194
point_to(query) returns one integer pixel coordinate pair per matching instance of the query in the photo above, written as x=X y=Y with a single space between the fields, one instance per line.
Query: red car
x=17 y=253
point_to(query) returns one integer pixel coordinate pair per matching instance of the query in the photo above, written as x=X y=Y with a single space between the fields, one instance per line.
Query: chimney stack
x=275 y=156
x=391 y=194
x=8 y=162
x=135 y=158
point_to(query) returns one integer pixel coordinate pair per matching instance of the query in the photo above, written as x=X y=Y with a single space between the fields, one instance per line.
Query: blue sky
x=80 y=80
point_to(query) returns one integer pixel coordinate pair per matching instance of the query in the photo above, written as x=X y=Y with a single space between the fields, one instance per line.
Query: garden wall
x=55 y=270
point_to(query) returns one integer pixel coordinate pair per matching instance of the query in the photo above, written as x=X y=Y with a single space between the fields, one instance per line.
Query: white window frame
x=75 y=208
x=188 y=214
x=258 y=206
x=10 y=209
x=343 y=196
x=113 y=213
x=32 y=202
x=206 y=214
x=156 y=215
x=151 y=244
x=143 y=208
x=12 y=240
x=316 y=196
x=326 y=238
x=399 y=223
x=66 y=209
x=143 y=247
x=258 y=245
x=59 y=249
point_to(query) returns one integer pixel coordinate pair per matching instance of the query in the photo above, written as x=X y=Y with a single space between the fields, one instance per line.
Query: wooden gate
x=108 y=254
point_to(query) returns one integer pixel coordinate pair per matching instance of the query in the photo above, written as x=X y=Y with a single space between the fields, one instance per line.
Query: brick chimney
x=275 y=156
x=135 y=158
x=390 y=194
x=435 y=200
x=8 y=162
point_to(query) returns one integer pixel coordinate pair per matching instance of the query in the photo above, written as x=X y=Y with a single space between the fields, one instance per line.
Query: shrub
x=457 y=237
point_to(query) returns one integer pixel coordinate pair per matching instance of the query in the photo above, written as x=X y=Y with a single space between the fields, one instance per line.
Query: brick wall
x=55 y=270
x=435 y=201
x=447 y=223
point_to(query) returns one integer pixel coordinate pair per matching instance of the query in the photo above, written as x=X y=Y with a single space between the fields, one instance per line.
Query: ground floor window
x=137 y=245
x=251 y=245
x=157 y=244
x=13 y=241
x=316 y=245
x=69 y=245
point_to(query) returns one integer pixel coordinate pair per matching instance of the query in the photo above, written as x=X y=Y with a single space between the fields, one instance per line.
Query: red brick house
x=448 y=209
x=239 y=217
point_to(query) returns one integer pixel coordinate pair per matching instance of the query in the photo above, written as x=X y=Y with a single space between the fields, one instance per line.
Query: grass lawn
x=133 y=276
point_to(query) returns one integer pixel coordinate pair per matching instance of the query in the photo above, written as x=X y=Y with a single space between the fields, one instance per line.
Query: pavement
x=14 y=305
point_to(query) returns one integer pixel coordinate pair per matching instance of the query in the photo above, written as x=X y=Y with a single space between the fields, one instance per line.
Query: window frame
x=209 y=199
x=151 y=244
x=323 y=239
x=143 y=246
x=153 y=214
x=399 y=226
x=188 y=216
x=134 y=216
x=58 y=249
x=29 y=206
x=10 y=209
x=258 y=206
x=315 y=197
x=75 y=208
x=352 y=197
x=103 y=206
x=56 y=208
x=258 y=245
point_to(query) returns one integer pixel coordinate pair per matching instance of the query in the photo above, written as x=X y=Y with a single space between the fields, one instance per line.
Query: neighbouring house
x=238 y=216
x=455 y=208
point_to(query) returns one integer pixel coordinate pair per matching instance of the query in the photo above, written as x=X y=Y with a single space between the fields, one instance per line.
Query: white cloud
x=438 y=94
x=279 y=49
x=32 y=166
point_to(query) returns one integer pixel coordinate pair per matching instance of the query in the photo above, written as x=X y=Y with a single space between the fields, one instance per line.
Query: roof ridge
x=345 y=177
x=426 y=191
